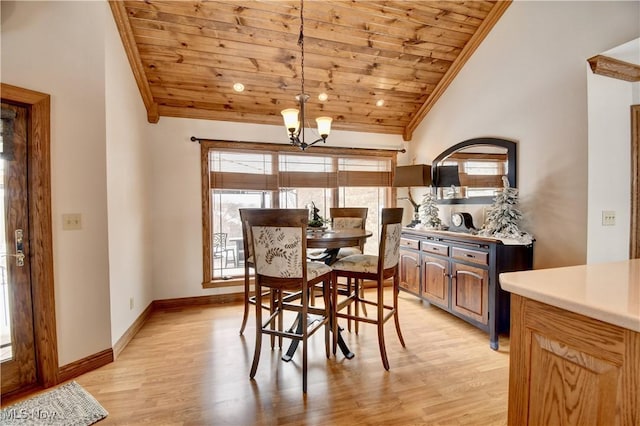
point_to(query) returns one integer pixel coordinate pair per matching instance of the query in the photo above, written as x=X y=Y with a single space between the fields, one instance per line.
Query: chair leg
x=396 y=290
x=272 y=307
x=312 y=295
x=305 y=325
x=327 y=311
x=245 y=314
x=334 y=318
x=361 y=295
x=258 y=345
x=279 y=301
x=380 y=324
x=356 y=291
x=349 y=306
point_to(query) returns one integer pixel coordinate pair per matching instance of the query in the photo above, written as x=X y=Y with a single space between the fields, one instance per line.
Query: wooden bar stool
x=377 y=268
x=280 y=261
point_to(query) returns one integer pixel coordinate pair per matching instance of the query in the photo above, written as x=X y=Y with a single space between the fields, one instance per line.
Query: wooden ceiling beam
x=614 y=68
x=128 y=41
x=168 y=111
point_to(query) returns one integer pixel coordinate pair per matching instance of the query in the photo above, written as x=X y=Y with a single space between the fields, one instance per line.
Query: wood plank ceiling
x=187 y=55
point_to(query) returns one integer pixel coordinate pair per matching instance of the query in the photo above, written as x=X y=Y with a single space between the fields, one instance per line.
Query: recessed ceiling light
x=323 y=97
x=380 y=102
x=238 y=87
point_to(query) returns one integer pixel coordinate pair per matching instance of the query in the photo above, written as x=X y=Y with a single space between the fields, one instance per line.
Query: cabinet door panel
x=410 y=271
x=470 y=292
x=571 y=387
x=568 y=369
x=435 y=280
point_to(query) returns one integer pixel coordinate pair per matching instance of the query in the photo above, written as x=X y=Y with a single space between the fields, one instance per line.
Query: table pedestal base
x=294 y=344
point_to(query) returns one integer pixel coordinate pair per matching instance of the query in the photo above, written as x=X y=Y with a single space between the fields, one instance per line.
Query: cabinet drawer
x=470 y=255
x=409 y=243
x=440 y=249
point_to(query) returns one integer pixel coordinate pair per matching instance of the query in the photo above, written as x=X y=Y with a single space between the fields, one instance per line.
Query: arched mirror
x=471 y=172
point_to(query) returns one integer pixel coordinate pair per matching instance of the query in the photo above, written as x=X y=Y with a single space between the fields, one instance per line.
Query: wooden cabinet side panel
x=631 y=380
x=519 y=370
x=569 y=369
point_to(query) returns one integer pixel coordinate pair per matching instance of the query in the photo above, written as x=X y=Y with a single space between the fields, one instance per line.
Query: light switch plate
x=608 y=218
x=71 y=221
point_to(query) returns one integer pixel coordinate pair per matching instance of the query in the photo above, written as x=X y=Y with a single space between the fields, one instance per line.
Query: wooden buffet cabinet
x=459 y=273
x=575 y=345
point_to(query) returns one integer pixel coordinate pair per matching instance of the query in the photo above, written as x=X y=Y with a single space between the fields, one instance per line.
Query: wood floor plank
x=190 y=367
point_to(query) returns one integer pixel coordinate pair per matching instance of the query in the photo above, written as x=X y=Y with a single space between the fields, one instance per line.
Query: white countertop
x=609 y=292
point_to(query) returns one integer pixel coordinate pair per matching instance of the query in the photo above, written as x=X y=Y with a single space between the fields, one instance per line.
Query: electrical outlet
x=130 y=303
x=71 y=221
x=608 y=218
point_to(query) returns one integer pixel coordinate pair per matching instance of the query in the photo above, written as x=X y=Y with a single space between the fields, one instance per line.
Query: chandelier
x=294 y=118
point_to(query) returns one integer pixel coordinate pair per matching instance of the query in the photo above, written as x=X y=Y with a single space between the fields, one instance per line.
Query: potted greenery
x=316 y=221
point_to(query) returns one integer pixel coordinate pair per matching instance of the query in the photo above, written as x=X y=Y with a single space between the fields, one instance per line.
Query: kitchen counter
x=608 y=292
x=575 y=345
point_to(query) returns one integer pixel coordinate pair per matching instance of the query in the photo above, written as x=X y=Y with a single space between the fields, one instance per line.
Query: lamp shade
x=290 y=117
x=447 y=176
x=324 y=126
x=416 y=175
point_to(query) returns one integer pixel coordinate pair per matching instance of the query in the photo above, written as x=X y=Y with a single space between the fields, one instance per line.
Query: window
x=241 y=175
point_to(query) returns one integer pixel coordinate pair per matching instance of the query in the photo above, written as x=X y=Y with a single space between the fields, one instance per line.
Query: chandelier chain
x=302 y=94
x=294 y=119
x=301 y=42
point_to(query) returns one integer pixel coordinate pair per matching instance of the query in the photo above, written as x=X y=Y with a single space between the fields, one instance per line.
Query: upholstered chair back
x=278 y=251
x=391 y=253
x=279 y=242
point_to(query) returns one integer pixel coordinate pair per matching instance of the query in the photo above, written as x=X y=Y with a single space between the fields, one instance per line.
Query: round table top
x=336 y=238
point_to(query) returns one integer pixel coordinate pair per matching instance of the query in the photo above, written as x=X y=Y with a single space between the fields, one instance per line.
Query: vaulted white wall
x=58 y=48
x=128 y=188
x=527 y=82
x=609 y=158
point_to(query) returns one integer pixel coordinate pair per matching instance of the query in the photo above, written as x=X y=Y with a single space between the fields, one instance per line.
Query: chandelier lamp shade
x=294 y=118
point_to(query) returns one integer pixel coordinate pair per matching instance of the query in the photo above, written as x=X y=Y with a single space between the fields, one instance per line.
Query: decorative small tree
x=429 y=211
x=315 y=220
x=503 y=216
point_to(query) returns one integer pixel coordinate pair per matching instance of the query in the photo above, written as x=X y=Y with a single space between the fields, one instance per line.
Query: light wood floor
x=190 y=367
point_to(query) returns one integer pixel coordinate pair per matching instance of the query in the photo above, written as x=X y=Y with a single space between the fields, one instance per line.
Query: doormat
x=67 y=405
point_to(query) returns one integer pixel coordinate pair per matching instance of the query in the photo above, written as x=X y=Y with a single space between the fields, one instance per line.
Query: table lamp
x=408 y=176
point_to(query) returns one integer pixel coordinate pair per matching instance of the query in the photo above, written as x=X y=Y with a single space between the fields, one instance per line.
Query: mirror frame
x=511 y=173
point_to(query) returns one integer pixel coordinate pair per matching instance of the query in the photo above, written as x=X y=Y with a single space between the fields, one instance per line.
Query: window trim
x=207 y=145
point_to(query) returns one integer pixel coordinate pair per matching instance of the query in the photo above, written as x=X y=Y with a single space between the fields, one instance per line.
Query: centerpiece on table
x=315 y=220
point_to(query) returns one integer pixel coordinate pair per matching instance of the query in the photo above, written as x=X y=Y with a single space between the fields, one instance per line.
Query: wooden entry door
x=39 y=242
x=17 y=348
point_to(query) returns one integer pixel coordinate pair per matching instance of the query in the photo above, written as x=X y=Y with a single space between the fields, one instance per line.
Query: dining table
x=331 y=240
